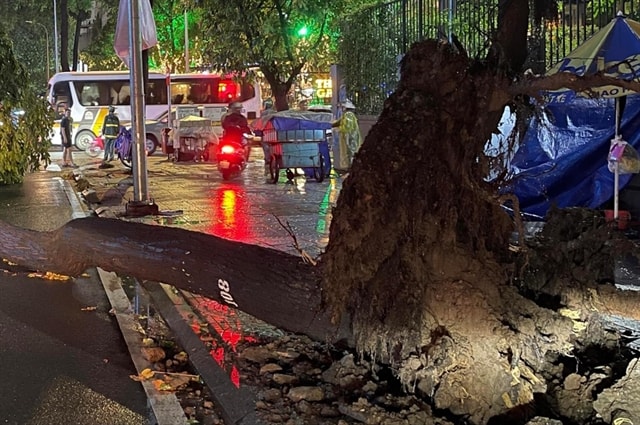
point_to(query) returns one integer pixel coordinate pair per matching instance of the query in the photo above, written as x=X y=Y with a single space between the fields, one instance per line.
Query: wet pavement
x=246 y=209
x=62 y=360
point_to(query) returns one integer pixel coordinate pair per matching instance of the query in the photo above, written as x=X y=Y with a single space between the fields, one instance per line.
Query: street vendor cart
x=193 y=139
x=293 y=140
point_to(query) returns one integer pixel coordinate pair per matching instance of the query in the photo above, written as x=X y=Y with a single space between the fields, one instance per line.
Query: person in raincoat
x=110 y=131
x=350 y=137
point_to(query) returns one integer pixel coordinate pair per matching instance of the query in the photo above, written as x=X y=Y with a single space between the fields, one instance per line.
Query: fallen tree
x=419 y=272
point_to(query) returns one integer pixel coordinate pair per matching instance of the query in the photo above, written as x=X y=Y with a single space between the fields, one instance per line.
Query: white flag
x=148 y=33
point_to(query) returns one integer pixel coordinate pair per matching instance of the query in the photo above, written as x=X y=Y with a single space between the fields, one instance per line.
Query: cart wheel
x=274 y=168
x=318 y=172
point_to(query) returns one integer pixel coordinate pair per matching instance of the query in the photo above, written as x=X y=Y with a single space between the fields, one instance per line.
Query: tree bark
x=64 y=36
x=271 y=285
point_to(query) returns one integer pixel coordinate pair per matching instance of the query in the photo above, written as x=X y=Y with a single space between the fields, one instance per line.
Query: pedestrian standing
x=349 y=134
x=110 y=131
x=66 y=130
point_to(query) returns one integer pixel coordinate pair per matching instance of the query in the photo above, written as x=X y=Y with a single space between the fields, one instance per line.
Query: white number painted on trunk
x=223 y=285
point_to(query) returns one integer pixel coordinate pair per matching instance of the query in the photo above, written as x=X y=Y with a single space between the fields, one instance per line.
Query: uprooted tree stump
x=419 y=272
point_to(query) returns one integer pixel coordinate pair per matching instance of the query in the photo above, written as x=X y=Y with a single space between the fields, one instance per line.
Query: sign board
x=214 y=113
x=185 y=111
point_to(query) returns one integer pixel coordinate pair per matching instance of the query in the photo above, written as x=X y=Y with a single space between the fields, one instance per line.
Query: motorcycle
x=124 y=147
x=96 y=147
x=233 y=155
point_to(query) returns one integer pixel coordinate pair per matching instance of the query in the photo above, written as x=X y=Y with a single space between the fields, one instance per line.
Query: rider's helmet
x=111 y=109
x=348 y=105
x=235 y=107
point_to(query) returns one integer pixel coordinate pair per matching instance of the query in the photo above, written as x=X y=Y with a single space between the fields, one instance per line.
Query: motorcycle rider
x=234 y=125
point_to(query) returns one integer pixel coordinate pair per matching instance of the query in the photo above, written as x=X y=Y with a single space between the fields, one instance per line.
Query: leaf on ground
x=161 y=385
x=90 y=308
x=145 y=375
x=50 y=276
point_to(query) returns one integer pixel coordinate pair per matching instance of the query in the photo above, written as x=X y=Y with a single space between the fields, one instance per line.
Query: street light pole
x=46 y=36
x=55 y=34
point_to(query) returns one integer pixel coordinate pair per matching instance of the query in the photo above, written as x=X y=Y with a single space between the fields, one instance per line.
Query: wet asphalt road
x=59 y=364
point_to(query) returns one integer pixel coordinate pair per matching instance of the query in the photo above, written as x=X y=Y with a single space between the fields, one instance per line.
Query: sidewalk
x=194 y=196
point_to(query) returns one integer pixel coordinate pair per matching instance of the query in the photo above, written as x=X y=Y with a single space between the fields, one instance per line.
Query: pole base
x=140 y=208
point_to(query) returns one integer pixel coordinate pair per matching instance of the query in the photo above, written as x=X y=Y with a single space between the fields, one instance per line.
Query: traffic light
x=303 y=31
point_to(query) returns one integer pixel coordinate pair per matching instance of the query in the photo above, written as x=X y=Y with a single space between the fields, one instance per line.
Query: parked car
x=153 y=131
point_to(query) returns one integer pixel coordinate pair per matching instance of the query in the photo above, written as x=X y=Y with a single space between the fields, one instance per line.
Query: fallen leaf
x=147 y=373
x=49 y=276
x=160 y=385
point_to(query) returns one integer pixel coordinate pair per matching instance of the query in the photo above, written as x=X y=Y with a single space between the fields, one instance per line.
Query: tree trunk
x=240 y=275
x=64 y=36
x=279 y=89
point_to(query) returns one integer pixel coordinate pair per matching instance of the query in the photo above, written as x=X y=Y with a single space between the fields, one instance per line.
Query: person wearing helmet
x=110 y=131
x=234 y=124
x=350 y=137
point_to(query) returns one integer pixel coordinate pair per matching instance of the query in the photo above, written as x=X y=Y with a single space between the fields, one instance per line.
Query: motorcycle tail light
x=227 y=149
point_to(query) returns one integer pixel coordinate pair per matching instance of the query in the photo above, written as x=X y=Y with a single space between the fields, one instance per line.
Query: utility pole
x=141 y=204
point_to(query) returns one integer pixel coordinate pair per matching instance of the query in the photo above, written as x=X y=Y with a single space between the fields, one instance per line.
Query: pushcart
x=193 y=139
x=294 y=140
x=294 y=149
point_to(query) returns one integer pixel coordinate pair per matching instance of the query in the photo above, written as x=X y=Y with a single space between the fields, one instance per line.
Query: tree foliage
x=23 y=136
x=278 y=37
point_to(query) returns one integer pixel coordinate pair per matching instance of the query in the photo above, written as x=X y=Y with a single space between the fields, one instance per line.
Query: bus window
x=179 y=93
x=89 y=95
x=61 y=98
x=156 y=93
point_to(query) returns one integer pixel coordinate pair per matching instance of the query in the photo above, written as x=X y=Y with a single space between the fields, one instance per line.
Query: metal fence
x=375 y=39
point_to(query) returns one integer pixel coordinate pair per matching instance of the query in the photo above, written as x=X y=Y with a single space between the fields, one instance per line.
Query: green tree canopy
x=279 y=37
x=25 y=119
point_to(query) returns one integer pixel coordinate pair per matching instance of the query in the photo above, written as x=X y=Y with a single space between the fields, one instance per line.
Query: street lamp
x=46 y=35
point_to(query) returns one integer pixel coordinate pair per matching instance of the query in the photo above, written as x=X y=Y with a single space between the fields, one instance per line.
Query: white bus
x=89 y=94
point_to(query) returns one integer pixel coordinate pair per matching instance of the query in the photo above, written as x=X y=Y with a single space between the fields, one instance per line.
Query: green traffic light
x=303 y=31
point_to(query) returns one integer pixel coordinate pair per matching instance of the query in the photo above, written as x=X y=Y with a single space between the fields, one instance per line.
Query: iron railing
x=375 y=39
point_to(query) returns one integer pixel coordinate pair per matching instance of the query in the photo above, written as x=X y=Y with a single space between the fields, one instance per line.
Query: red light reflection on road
x=226 y=323
x=230 y=214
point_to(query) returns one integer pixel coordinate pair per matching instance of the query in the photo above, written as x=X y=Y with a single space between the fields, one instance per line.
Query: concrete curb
x=165 y=407
x=237 y=405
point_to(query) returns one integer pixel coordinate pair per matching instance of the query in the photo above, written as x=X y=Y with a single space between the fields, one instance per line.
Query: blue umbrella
x=613 y=51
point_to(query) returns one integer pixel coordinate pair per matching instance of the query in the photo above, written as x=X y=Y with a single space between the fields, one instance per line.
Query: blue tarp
x=562 y=159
